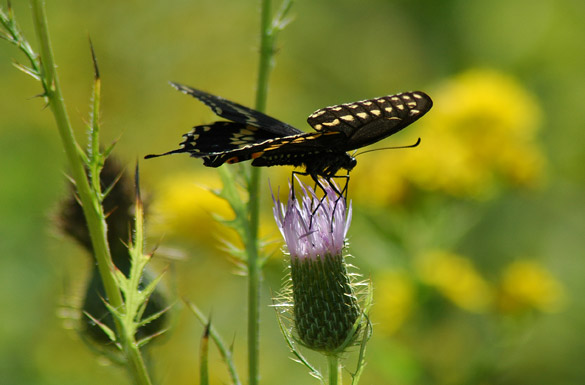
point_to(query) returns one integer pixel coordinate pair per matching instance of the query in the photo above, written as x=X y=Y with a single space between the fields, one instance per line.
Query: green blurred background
x=473 y=241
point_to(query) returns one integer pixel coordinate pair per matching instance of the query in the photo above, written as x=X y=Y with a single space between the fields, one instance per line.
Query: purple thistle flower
x=325 y=307
x=313 y=227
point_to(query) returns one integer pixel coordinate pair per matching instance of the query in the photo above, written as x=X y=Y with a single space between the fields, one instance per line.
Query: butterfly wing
x=269 y=142
x=238 y=113
x=219 y=138
x=368 y=121
x=289 y=150
x=228 y=142
x=299 y=149
x=217 y=142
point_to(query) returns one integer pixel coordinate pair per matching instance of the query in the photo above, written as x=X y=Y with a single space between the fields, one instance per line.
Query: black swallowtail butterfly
x=250 y=134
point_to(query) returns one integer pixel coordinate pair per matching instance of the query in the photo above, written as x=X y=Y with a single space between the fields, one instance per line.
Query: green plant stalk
x=333 y=363
x=266 y=55
x=254 y=283
x=264 y=67
x=204 y=358
x=224 y=351
x=136 y=366
x=95 y=158
x=90 y=203
x=136 y=363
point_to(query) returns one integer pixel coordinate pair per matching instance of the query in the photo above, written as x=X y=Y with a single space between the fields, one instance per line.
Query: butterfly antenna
x=178 y=151
x=389 y=148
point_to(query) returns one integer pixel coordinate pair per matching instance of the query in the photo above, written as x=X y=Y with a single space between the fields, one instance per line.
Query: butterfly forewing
x=368 y=121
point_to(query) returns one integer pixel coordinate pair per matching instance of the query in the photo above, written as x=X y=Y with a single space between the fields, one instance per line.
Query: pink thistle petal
x=313 y=227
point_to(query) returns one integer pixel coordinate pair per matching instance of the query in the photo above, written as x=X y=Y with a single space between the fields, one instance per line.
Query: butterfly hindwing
x=238 y=113
x=289 y=150
x=221 y=137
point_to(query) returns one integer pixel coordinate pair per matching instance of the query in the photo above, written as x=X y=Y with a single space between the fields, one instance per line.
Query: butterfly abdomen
x=281 y=159
x=317 y=162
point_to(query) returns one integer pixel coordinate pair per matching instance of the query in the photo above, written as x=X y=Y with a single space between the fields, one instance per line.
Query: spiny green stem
x=90 y=201
x=136 y=364
x=95 y=158
x=14 y=36
x=91 y=207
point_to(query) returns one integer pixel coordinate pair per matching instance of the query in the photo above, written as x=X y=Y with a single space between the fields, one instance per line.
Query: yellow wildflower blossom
x=395 y=300
x=527 y=285
x=456 y=278
x=183 y=207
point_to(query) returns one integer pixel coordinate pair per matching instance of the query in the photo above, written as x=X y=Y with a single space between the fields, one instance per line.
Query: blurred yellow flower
x=395 y=300
x=480 y=134
x=526 y=285
x=183 y=207
x=456 y=278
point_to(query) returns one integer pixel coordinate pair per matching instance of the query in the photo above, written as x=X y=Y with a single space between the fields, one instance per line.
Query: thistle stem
x=91 y=208
x=254 y=284
x=266 y=55
x=90 y=201
x=334 y=372
x=253 y=189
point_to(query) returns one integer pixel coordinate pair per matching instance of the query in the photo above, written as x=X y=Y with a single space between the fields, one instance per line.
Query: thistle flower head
x=324 y=304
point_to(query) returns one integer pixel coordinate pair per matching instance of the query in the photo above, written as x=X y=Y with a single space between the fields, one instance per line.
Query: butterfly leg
x=344 y=190
x=292 y=177
x=340 y=194
x=318 y=183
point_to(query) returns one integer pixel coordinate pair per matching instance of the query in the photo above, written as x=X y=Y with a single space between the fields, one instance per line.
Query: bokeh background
x=474 y=240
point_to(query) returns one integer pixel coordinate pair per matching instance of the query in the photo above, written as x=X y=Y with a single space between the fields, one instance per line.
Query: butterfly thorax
x=329 y=163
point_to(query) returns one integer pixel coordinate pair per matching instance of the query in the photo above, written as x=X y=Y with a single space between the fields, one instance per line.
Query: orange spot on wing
x=235 y=159
x=256 y=155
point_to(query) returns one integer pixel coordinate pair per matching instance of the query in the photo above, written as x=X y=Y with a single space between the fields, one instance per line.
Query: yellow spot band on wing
x=331 y=124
